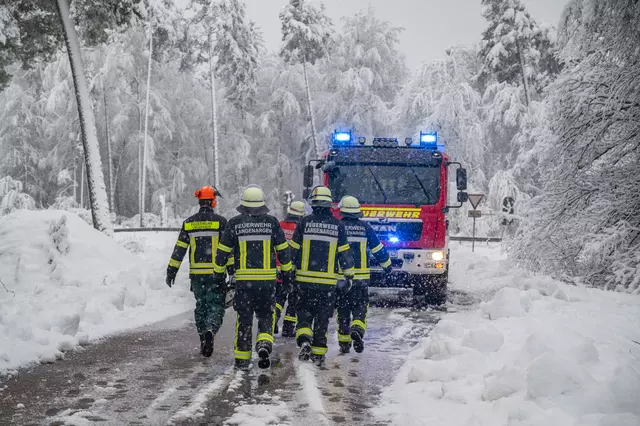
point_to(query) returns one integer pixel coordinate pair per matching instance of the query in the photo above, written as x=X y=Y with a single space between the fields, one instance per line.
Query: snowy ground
x=67 y=284
x=532 y=351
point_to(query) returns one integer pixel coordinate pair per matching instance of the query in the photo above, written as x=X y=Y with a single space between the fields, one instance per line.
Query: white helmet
x=321 y=197
x=252 y=201
x=350 y=206
x=296 y=209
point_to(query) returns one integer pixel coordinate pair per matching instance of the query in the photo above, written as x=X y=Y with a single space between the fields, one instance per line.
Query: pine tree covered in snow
x=586 y=223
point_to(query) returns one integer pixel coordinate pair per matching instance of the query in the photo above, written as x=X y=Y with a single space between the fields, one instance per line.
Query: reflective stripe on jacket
x=363 y=240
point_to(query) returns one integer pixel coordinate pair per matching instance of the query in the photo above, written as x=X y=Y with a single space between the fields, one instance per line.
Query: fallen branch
x=7 y=290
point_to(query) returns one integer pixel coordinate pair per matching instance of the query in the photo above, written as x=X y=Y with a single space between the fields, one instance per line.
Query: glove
x=388 y=270
x=170 y=280
x=344 y=286
x=287 y=281
x=231 y=283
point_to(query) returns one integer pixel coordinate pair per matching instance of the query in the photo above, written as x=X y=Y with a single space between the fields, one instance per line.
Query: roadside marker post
x=475 y=200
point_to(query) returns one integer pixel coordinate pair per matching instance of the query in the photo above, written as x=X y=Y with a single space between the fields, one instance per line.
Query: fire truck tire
x=430 y=290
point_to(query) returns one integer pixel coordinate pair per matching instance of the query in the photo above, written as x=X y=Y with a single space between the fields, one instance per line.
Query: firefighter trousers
x=282 y=296
x=352 y=312
x=315 y=309
x=209 y=311
x=250 y=300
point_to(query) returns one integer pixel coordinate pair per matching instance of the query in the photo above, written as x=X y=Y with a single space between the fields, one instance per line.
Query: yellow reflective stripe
x=291 y=318
x=192 y=226
x=192 y=254
x=214 y=245
x=202 y=265
x=266 y=254
x=255 y=277
x=306 y=246
x=273 y=322
x=305 y=331
x=294 y=245
x=224 y=248
x=219 y=269
x=279 y=306
x=363 y=254
x=316 y=274
x=202 y=271
x=377 y=248
x=243 y=254
x=386 y=263
x=331 y=264
x=362 y=277
x=314 y=280
x=286 y=266
x=255 y=271
x=264 y=337
x=343 y=247
x=230 y=261
x=242 y=354
x=174 y=263
x=318 y=350
x=282 y=246
x=182 y=244
x=344 y=338
x=349 y=272
x=358 y=323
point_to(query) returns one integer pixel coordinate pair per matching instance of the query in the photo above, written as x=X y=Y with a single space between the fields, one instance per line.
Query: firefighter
x=294 y=212
x=200 y=234
x=318 y=242
x=352 y=307
x=253 y=238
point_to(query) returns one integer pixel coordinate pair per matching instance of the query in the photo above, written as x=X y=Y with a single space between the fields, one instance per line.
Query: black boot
x=345 y=347
x=276 y=330
x=305 y=351
x=288 y=329
x=242 y=364
x=318 y=360
x=358 y=343
x=264 y=353
x=207 y=346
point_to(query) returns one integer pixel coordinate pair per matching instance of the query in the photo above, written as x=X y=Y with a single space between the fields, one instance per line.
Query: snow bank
x=534 y=352
x=68 y=284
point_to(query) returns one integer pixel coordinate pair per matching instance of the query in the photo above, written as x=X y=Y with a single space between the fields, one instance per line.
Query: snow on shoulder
x=534 y=352
x=67 y=283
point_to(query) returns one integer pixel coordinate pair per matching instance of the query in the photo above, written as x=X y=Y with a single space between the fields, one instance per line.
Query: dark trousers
x=209 y=311
x=352 y=312
x=315 y=309
x=258 y=300
x=281 y=300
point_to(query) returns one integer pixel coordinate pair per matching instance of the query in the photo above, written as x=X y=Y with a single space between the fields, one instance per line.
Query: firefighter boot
x=201 y=344
x=305 y=351
x=242 y=364
x=358 y=342
x=288 y=329
x=345 y=347
x=263 y=354
x=207 y=345
x=318 y=360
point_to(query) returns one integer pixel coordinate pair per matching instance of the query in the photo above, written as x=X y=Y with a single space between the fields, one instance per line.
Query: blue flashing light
x=342 y=137
x=429 y=138
x=394 y=239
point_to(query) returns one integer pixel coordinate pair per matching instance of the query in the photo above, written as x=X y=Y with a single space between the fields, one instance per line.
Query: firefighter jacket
x=288 y=227
x=253 y=242
x=318 y=241
x=363 y=240
x=200 y=234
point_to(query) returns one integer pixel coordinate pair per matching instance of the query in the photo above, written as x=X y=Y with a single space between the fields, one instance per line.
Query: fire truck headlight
x=394 y=239
x=437 y=255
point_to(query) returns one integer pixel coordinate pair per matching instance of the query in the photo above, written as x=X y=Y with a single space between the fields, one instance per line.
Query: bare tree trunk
x=143 y=179
x=310 y=108
x=214 y=117
x=82 y=187
x=525 y=81
x=95 y=178
x=109 y=153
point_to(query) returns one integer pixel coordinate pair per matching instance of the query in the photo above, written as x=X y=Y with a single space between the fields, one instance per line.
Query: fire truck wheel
x=430 y=290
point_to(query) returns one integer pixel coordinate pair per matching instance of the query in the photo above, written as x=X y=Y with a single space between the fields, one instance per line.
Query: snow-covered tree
x=585 y=223
x=12 y=196
x=306 y=34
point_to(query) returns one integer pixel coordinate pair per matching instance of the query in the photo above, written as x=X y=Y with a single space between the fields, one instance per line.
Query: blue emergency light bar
x=429 y=138
x=342 y=138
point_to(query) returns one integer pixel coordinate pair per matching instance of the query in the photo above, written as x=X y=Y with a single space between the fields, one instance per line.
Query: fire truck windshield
x=382 y=184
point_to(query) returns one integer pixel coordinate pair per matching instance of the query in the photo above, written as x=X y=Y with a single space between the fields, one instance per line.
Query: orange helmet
x=207 y=193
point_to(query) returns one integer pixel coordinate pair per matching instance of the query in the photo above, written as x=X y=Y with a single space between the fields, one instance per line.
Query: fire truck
x=403 y=190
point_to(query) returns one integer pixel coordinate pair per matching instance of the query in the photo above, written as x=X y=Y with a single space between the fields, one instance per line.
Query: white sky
x=430 y=25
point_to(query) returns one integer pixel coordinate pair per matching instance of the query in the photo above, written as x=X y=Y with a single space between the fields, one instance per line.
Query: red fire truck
x=402 y=188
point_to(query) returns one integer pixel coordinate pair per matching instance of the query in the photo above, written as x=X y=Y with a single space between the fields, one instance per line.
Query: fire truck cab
x=402 y=188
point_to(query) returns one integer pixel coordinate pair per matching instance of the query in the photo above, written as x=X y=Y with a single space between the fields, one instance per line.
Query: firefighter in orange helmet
x=199 y=235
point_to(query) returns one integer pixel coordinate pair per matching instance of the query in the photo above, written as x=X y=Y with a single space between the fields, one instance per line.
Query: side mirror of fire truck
x=461 y=179
x=463 y=197
x=308 y=177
